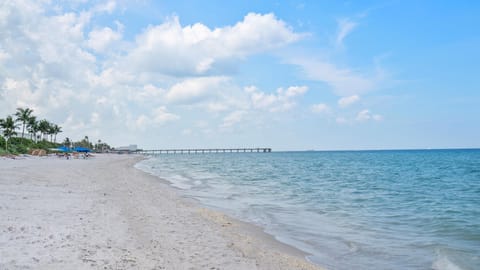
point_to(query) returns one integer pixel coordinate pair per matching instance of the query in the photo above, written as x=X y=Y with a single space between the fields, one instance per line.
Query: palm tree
x=51 y=131
x=32 y=127
x=8 y=126
x=56 y=129
x=23 y=116
x=44 y=127
x=67 y=142
x=87 y=142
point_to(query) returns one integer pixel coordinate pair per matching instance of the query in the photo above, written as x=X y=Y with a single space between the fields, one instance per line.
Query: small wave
x=444 y=263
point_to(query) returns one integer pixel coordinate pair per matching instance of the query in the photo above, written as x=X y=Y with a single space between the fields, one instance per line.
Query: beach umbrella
x=81 y=149
x=63 y=149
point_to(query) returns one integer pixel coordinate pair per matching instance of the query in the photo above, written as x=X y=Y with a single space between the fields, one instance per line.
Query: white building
x=130 y=148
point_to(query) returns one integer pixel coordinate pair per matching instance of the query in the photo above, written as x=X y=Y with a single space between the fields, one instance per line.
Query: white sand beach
x=102 y=213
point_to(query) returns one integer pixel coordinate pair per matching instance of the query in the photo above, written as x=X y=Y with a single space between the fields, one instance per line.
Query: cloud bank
x=78 y=65
x=92 y=80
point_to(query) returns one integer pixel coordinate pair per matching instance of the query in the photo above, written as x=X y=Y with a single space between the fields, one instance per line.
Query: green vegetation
x=21 y=145
x=8 y=126
x=41 y=134
x=24 y=116
x=2 y=146
x=97 y=147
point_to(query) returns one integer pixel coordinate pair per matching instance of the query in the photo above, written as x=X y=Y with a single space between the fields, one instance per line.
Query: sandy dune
x=102 y=213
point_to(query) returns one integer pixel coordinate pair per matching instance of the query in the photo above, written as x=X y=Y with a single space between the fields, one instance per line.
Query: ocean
x=409 y=209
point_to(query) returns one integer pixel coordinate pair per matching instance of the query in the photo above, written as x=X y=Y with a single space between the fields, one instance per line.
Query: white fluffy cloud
x=171 y=48
x=108 y=6
x=347 y=101
x=195 y=89
x=321 y=108
x=366 y=115
x=282 y=100
x=161 y=115
x=100 y=39
x=158 y=116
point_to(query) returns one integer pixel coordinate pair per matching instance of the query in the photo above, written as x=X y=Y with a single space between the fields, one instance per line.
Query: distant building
x=127 y=149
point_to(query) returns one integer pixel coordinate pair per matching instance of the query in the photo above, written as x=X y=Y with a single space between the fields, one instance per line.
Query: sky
x=291 y=75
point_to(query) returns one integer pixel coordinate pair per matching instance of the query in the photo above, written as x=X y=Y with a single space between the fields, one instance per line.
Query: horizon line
x=327 y=150
x=386 y=149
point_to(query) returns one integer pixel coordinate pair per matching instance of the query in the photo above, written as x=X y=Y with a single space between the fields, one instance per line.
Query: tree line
x=36 y=128
x=41 y=133
x=25 y=119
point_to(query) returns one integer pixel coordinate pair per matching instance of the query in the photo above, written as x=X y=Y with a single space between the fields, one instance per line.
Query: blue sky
x=291 y=75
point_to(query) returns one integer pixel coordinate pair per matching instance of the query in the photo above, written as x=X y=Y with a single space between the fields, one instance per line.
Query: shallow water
x=362 y=209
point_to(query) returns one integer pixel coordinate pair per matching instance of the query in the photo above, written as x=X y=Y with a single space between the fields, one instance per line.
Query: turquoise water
x=349 y=210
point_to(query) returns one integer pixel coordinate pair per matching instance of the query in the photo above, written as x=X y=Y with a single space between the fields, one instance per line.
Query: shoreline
x=222 y=218
x=256 y=235
x=103 y=213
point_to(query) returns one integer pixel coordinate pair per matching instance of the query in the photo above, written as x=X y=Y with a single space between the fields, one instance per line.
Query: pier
x=204 y=151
